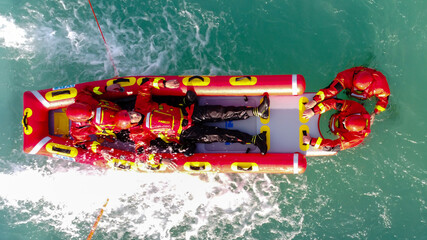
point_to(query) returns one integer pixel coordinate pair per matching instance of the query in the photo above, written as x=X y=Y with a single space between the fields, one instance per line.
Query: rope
x=105 y=42
x=92 y=231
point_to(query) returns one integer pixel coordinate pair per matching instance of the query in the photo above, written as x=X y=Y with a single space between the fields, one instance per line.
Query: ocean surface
x=375 y=191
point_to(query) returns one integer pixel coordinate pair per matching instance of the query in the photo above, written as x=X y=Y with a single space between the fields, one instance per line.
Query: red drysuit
x=344 y=80
x=346 y=139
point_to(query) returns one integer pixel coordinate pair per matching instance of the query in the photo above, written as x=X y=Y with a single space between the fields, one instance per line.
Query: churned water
x=375 y=191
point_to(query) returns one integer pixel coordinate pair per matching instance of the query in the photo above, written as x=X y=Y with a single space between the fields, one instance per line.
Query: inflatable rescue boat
x=46 y=126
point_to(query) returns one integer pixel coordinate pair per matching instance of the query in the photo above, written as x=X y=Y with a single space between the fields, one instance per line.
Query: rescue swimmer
x=351 y=124
x=361 y=83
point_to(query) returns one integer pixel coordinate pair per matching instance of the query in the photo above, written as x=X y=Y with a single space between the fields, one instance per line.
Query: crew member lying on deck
x=161 y=127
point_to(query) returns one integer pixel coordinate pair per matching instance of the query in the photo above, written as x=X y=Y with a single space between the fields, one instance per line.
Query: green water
x=375 y=191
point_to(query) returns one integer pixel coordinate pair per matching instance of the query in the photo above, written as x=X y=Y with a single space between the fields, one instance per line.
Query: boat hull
x=46 y=128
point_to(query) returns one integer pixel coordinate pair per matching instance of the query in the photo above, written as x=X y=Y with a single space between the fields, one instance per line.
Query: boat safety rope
x=92 y=231
x=105 y=42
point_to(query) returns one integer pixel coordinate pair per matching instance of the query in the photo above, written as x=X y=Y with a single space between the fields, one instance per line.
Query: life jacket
x=104 y=119
x=167 y=122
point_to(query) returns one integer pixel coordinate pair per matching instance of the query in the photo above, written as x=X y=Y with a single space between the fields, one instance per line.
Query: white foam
x=140 y=204
x=13 y=36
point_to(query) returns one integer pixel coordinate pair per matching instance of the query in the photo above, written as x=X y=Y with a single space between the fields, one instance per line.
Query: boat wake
x=153 y=206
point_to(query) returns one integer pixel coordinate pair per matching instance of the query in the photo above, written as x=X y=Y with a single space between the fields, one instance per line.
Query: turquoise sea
x=375 y=191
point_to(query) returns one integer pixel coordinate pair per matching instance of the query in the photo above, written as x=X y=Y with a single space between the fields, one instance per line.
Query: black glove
x=187 y=149
x=123 y=136
x=159 y=146
x=140 y=150
x=80 y=145
x=332 y=149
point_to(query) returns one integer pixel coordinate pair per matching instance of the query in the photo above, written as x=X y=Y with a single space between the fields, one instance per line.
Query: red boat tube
x=46 y=128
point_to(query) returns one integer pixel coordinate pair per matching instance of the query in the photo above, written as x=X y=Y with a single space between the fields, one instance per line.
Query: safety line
x=105 y=42
x=97 y=221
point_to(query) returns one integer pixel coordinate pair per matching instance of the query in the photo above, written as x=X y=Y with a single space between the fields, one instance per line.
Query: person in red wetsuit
x=161 y=127
x=351 y=124
x=93 y=116
x=362 y=83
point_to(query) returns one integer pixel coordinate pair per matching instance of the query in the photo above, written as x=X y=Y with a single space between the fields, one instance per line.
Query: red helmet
x=123 y=120
x=79 y=112
x=362 y=80
x=355 y=123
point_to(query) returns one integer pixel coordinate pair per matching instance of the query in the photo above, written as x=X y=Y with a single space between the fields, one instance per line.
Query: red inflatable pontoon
x=46 y=127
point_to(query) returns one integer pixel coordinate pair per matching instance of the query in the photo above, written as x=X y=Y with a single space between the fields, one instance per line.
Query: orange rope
x=105 y=42
x=97 y=221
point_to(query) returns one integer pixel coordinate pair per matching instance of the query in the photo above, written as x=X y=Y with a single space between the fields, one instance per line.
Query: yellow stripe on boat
x=243 y=81
x=197 y=166
x=244 y=167
x=63 y=150
x=201 y=81
x=123 y=82
x=301 y=106
x=61 y=94
x=302 y=146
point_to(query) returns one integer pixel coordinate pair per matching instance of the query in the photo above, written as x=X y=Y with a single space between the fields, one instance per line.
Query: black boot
x=260 y=141
x=187 y=149
x=190 y=98
x=262 y=110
